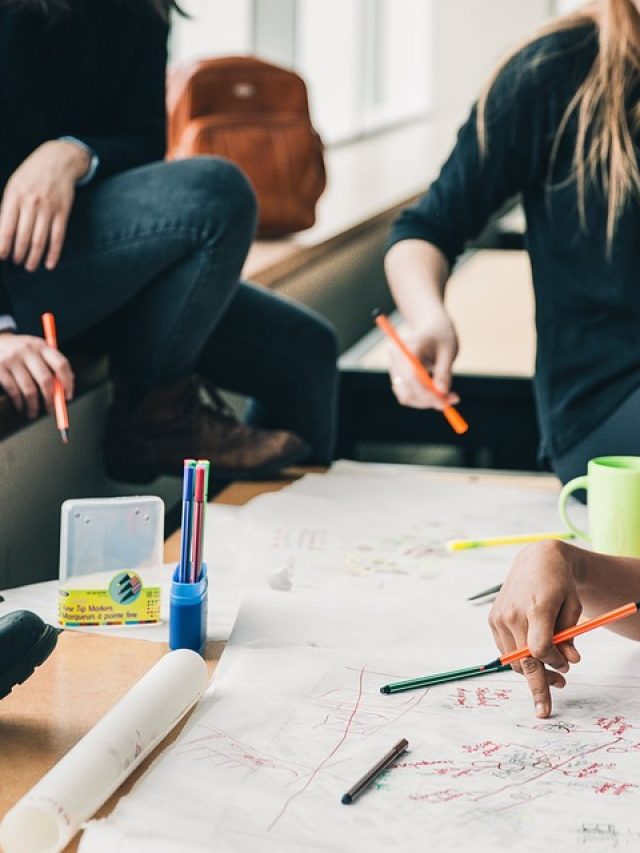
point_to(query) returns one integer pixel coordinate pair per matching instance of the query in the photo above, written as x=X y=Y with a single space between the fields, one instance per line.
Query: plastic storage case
x=110 y=558
x=110 y=534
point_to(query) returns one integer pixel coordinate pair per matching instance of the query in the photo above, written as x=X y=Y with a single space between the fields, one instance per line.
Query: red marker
x=197 y=535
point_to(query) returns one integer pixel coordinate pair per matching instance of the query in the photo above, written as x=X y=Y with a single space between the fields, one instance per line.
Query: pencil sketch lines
x=546 y=771
x=327 y=759
x=219 y=749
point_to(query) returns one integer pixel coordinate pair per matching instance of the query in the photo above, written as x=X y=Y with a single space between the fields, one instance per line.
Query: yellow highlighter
x=516 y=539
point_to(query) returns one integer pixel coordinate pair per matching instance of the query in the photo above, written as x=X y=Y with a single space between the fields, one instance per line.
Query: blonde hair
x=606 y=123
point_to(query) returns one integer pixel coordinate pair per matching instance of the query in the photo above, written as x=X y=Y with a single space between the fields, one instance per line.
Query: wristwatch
x=94 y=163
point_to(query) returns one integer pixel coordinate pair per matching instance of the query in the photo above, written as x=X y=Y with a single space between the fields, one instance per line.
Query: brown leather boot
x=190 y=420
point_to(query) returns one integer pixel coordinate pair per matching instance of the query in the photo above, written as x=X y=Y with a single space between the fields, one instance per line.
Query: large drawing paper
x=295 y=717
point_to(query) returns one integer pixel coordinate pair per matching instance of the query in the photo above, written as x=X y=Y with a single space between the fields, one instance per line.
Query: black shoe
x=25 y=642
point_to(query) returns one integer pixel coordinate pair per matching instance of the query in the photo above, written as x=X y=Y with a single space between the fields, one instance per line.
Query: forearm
x=417 y=273
x=605 y=582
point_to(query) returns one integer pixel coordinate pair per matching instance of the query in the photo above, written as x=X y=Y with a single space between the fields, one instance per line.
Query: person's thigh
x=617 y=435
x=129 y=229
x=283 y=355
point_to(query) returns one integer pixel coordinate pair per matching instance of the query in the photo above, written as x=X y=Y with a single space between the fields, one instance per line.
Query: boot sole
x=144 y=476
x=32 y=658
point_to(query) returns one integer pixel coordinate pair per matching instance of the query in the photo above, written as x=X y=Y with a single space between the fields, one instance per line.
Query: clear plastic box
x=110 y=534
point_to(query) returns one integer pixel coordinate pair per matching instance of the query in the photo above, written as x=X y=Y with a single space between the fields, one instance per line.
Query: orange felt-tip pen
x=453 y=416
x=59 y=402
x=505 y=661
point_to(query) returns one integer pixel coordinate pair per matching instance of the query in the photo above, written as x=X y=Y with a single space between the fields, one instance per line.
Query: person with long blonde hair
x=559 y=124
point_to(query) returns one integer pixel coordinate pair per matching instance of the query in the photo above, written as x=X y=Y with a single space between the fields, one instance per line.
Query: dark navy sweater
x=95 y=72
x=587 y=302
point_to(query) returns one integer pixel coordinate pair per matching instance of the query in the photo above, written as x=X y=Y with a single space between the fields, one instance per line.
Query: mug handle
x=571 y=486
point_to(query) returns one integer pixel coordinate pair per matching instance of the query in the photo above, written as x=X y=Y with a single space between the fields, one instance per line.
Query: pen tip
x=64 y=435
x=376 y=313
x=386 y=689
x=346 y=800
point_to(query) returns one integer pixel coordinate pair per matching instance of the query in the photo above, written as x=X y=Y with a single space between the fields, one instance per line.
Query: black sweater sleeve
x=137 y=131
x=472 y=184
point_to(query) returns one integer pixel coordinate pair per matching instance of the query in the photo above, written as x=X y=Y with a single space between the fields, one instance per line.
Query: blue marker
x=185 y=537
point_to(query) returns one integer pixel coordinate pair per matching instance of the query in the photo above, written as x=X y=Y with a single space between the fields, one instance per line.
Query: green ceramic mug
x=613 y=498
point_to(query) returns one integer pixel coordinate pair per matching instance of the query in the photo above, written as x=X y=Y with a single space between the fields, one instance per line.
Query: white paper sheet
x=49 y=815
x=295 y=717
x=375 y=528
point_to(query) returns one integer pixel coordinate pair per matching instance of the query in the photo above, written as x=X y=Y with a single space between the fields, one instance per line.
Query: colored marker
x=493 y=590
x=59 y=402
x=453 y=416
x=375 y=771
x=514 y=539
x=199 y=501
x=186 y=526
x=441 y=678
x=519 y=654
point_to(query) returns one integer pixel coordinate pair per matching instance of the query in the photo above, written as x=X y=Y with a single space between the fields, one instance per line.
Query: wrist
x=578 y=563
x=79 y=158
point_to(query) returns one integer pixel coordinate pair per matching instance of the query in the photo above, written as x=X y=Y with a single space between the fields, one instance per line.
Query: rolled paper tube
x=51 y=813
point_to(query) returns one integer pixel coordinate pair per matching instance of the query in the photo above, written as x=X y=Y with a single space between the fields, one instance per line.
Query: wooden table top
x=46 y=716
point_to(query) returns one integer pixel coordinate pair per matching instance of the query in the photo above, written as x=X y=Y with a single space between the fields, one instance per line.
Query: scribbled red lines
x=444 y=796
x=590 y=770
x=487 y=747
x=326 y=760
x=615 y=725
x=616 y=789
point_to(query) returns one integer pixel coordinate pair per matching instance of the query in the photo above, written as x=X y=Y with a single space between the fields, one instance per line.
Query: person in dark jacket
x=139 y=257
x=559 y=124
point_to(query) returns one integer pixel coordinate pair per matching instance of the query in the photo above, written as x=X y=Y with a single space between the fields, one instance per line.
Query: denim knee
x=218 y=195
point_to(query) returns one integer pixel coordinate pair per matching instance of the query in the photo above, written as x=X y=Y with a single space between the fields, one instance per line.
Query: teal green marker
x=443 y=678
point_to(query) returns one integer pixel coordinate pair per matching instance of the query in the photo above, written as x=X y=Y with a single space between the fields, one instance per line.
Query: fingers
x=38 y=242
x=27 y=388
x=536 y=676
x=11 y=388
x=542 y=626
x=61 y=368
x=410 y=391
x=8 y=225
x=539 y=679
x=24 y=230
x=56 y=241
x=42 y=375
x=442 y=369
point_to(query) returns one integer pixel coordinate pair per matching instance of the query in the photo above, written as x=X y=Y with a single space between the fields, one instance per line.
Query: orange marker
x=576 y=630
x=504 y=661
x=458 y=423
x=59 y=402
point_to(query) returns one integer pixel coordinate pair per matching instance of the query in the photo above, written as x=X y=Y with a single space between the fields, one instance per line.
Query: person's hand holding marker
x=539 y=599
x=435 y=344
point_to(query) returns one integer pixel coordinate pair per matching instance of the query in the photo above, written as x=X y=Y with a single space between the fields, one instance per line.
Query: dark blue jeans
x=150 y=272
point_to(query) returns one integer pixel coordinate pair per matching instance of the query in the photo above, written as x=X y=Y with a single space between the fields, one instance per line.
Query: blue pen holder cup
x=188 y=613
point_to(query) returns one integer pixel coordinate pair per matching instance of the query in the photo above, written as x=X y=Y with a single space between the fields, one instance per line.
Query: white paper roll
x=51 y=813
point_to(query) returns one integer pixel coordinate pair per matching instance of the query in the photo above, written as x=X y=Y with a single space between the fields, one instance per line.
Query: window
x=368 y=64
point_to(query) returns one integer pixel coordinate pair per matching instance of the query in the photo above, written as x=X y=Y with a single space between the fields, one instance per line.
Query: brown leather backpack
x=256 y=115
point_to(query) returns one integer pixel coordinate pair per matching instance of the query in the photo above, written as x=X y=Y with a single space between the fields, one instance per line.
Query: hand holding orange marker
x=59 y=402
x=458 y=423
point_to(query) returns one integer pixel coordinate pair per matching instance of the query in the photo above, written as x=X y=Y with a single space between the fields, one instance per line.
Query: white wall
x=471 y=38
x=216 y=27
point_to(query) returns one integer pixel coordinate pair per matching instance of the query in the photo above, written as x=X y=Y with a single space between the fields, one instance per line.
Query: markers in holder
x=188 y=604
